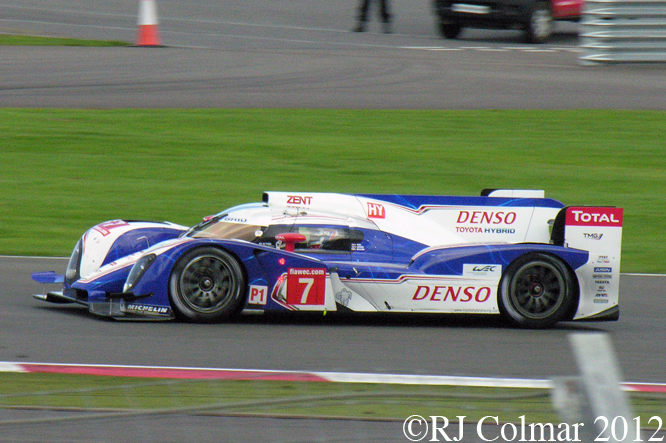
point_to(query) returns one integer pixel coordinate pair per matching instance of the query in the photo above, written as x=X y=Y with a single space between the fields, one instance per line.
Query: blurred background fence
x=617 y=31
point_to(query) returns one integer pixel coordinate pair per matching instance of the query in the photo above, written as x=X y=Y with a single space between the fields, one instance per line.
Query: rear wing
x=587 y=227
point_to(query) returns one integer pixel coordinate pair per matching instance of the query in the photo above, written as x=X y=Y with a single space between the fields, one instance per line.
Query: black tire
x=539 y=28
x=449 y=30
x=536 y=291
x=207 y=285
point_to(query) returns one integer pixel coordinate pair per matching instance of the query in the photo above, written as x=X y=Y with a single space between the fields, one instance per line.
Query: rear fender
x=597 y=230
x=455 y=260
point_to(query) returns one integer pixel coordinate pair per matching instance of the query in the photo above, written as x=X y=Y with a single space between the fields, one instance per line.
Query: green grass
x=281 y=398
x=61 y=171
x=29 y=40
x=266 y=397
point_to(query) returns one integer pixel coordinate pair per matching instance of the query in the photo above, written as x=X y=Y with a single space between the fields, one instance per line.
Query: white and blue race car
x=512 y=253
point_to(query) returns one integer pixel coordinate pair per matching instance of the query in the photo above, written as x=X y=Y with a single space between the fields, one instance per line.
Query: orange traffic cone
x=148 y=35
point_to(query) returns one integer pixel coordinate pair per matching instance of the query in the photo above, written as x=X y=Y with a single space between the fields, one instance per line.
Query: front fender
x=103 y=283
x=110 y=241
x=264 y=267
x=139 y=239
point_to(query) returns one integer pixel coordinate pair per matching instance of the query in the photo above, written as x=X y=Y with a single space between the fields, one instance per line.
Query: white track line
x=259 y=374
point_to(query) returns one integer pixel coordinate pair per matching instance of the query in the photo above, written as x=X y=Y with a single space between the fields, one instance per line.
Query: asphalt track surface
x=34 y=331
x=215 y=429
x=300 y=53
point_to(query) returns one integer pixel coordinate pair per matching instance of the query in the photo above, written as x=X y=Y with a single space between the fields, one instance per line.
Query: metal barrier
x=623 y=31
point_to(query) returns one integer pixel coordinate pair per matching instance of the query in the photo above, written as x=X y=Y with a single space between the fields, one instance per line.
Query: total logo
x=587 y=217
x=594 y=217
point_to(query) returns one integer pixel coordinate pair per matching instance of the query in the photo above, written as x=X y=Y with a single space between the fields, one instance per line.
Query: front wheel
x=540 y=26
x=536 y=291
x=206 y=285
x=449 y=30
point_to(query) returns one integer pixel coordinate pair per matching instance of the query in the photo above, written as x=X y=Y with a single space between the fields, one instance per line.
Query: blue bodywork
x=264 y=265
x=418 y=201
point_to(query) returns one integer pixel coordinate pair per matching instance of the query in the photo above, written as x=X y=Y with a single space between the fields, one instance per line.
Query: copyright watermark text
x=437 y=428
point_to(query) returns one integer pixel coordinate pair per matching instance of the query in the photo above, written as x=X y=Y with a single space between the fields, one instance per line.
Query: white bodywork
x=596 y=230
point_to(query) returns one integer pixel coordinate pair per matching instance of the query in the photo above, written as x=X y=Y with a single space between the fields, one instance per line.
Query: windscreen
x=225 y=230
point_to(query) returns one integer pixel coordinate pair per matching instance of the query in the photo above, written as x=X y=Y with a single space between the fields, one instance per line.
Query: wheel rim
x=207 y=284
x=541 y=24
x=537 y=289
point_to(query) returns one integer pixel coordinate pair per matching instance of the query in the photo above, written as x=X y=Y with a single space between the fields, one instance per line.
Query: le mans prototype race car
x=512 y=253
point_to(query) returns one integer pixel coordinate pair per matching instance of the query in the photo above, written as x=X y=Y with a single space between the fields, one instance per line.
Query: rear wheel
x=540 y=26
x=207 y=285
x=449 y=30
x=536 y=291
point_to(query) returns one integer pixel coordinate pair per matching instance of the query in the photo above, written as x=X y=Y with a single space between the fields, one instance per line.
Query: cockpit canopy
x=259 y=224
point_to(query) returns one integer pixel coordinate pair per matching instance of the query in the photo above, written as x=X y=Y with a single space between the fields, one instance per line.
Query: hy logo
x=375 y=210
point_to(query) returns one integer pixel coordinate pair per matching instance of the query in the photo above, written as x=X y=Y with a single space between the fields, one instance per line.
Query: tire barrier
x=623 y=31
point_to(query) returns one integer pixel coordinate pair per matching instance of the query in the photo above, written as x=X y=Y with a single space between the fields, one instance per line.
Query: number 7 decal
x=306 y=286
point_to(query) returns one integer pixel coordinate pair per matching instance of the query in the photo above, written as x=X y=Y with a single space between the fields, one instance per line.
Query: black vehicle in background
x=535 y=17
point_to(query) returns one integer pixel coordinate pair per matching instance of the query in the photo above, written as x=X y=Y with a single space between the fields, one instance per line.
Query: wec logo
x=482 y=270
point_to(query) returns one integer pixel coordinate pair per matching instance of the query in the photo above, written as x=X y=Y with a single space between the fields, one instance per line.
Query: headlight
x=139 y=268
x=74 y=265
